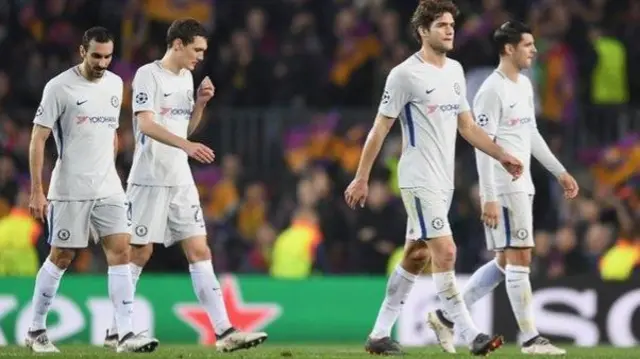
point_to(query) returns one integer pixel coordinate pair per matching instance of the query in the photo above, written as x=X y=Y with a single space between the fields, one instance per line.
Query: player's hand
x=38 y=206
x=569 y=185
x=490 y=214
x=206 y=90
x=200 y=152
x=356 y=193
x=512 y=165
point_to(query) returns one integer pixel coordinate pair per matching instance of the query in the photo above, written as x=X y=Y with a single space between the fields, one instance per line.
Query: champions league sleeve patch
x=141 y=98
x=482 y=120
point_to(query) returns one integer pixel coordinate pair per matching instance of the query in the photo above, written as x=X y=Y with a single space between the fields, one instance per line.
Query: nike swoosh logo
x=430 y=91
x=514 y=105
x=81 y=102
x=168 y=94
x=47 y=295
x=126 y=302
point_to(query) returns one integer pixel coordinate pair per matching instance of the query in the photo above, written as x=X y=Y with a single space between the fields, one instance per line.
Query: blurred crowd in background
x=297 y=86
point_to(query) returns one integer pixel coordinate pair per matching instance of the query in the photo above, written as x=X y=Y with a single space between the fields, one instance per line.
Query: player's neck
x=82 y=68
x=169 y=63
x=509 y=70
x=432 y=57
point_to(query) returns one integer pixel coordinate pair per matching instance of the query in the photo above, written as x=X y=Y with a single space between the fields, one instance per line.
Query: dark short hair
x=509 y=33
x=97 y=34
x=185 y=30
x=429 y=10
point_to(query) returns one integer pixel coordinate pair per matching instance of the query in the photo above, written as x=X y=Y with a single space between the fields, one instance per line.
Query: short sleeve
x=487 y=110
x=143 y=91
x=50 y=108
x=396 y=94
x=464 y=103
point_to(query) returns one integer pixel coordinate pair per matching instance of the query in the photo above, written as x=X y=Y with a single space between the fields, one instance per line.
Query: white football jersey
x=169 y=97
x=83 y=116
x=505 y=110
x=427 y=100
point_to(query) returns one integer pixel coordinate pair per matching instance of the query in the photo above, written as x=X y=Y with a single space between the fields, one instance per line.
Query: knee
x=444 y=255
x=118 y=251
x=117 y=256
x=140 y=255
x=415 y=260
x=196 y=249
x=62 y=258
x=518 y=257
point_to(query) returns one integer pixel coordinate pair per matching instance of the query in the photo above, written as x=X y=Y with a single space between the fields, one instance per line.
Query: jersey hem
x=160 y=185
x=66 y=199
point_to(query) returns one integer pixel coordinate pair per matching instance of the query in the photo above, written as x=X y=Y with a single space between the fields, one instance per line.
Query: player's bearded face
x=97 y=58
x=525 y=52
x=193 y=53
x=441 y=33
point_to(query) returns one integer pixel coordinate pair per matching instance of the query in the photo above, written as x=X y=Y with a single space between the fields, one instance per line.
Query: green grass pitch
x=298 y=351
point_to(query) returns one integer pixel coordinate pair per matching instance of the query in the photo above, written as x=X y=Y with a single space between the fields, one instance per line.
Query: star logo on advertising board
x=243 y=316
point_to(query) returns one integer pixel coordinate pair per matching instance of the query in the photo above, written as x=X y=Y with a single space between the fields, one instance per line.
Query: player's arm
x=480 y=140
x=205 y=92
x=541 y=151
x=196 y=116
x=467 y=128
x=372 y=145
x=39 y=136
x=477 y=137
x=48 y=112
x=148 y=127
x=394 y=98
x=144 y=92
x=488 y=111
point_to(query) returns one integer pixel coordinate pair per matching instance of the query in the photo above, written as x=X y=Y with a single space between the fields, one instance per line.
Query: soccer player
x=428 y=93
x=165 y=205
x=504 y=109
x=81 y=106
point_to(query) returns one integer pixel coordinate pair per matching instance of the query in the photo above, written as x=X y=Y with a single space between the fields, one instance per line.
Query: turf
x=302 y=352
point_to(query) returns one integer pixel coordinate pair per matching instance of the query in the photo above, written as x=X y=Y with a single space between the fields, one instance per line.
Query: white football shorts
x=71 y=223
x=427 y=212
x=164 y=214
x=515 y=224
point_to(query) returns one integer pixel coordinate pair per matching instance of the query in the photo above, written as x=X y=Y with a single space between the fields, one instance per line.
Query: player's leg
x=399 y=284
x=187 y=225
x=433 y=208
x=145 y=225
x=518 y=221
x=109 y=218
x=483 y=281
x=139 y=256
x=67 y=230
x=486 y=278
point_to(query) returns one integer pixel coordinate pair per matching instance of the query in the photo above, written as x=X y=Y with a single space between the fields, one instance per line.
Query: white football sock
x=398 y=288
x=121 y=294
x=520 y=296
x=453 y=304
x=207 y=289
x=483 y=281
x=46 y=287
x=136 y=270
